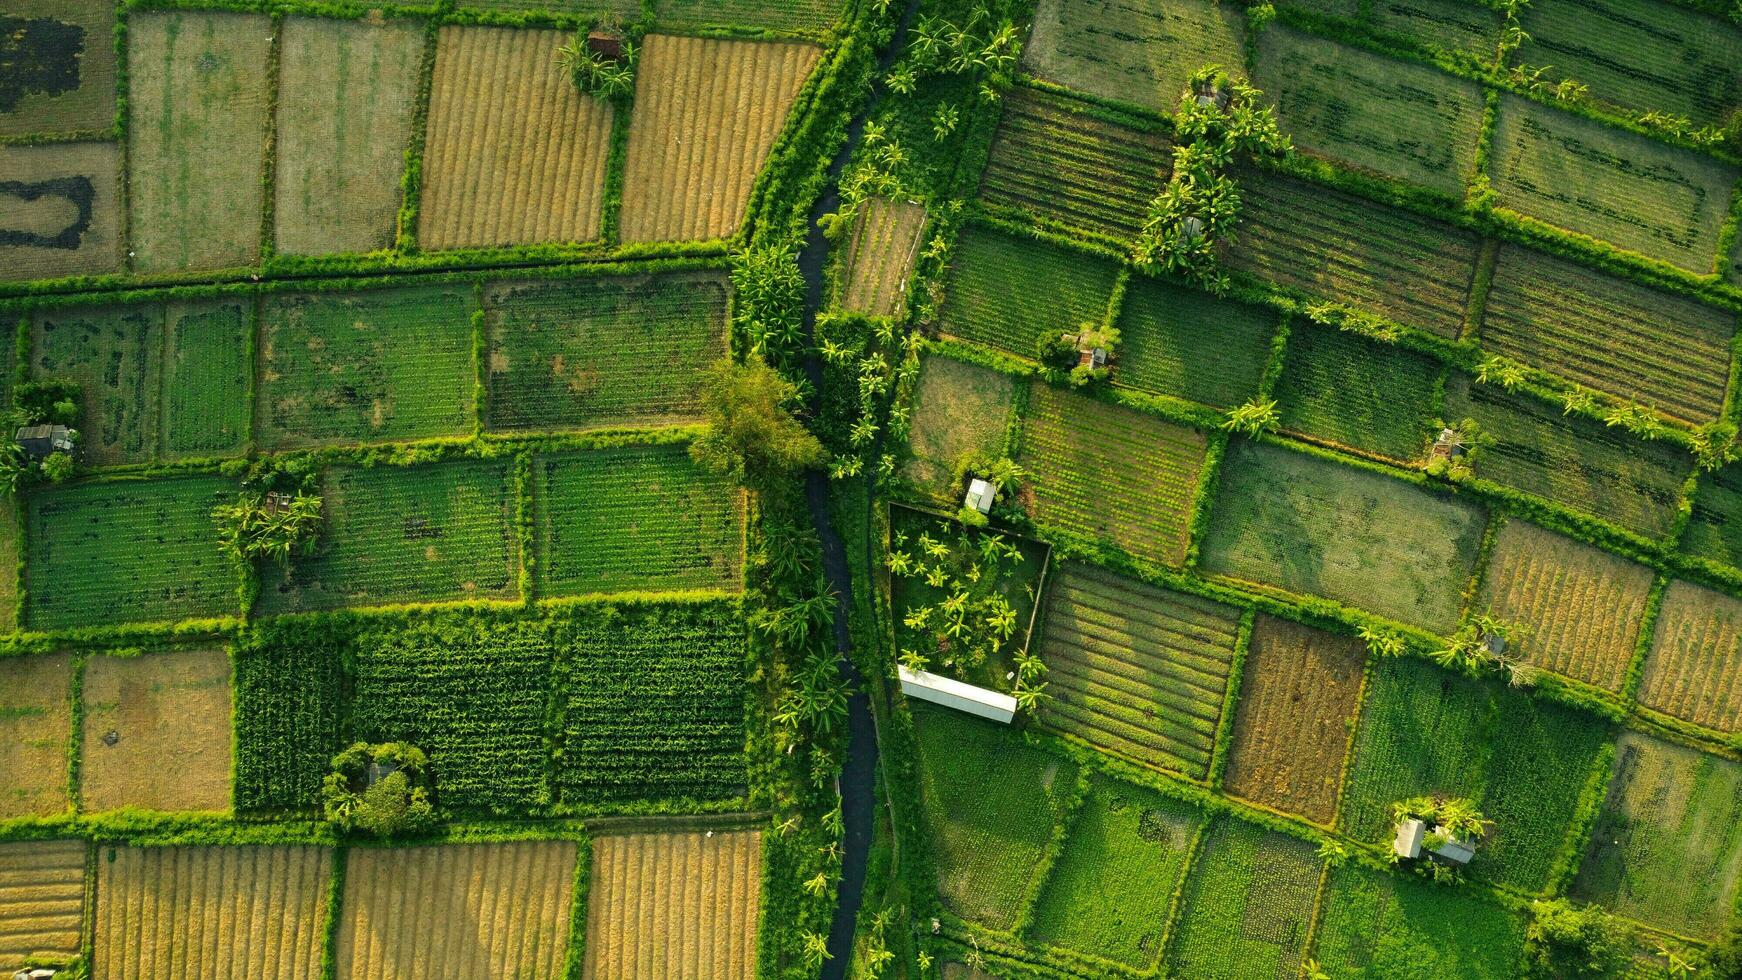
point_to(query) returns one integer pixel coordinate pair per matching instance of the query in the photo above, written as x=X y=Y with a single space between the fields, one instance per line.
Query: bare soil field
x=1694 y=669
x=880 y=258
x=35 y=730
x=73 y=88
x=42 y=899
x=674 y=905
x=140 y=712
x=60 y=211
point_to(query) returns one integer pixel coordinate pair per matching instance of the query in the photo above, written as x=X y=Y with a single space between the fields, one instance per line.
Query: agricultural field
x=1395 y=118
x=1714 y=530
x=60 y=210
x=1580 y=608
x=1291 y=726
x=1691 y=671
x=370 y=366
x=637 y=517
x=1469 y=29
x=959 y=410
x=347 y=94
x=197 y=103
x=42 y=900
x=673 y=905
x=289 y=693
x=1661 y=201
x=811 y=16
x=1348 y=391
x=569 y=354
x=1393 y=925
x=63 y=78
x=997 y=285
x=457 y=910
x=181 y=913
x=1052 y=159
x=1610 y=334
x=35 y=730
x=1143 y=53
x=1334 y=246
x=1667 y=847
x=880 y=258
x=141 y=710
x=707 y=112
x=1135 y=669
x=1315 y=527
x=1189 y=344
x=515 y=154
x=1247 y=905
x=1110 y=473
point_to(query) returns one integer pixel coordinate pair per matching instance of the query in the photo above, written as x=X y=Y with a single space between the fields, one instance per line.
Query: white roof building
x=951 y=693
x=980 y=496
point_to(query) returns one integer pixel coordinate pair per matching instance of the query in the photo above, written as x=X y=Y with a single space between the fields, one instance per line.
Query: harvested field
x=1004 y=291
x=1375 y=258
x=1693 y=670
x=567 y=354
x=707 y=112
x=1247 y=906
x=1111 y=473
x=1376 y=924
x=184 y=913
x=674 y=905
x=515 y=154
x=196 y=138
x=35 y=730
x=1188 y=344
x=1291 y=728
x=1610 y=334
x=423 y=913
x=1581 y=607
x=1053 y=160
x=886 y=240
x=1451 y=25
x=1138 y=52
x=814 y=16
x=1316 y=527
x=60 y=210
x=1344 y=389
x=347 y=92
x=959 y=409
x=1135 y=669
x=42 y=900
x=61 y=67
x=372 y=366
x=140 y=711
x=1396 y=118
x=1715 y=530
x=1661 y=201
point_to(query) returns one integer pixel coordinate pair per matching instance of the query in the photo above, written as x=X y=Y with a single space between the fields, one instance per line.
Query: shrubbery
x=379 y=789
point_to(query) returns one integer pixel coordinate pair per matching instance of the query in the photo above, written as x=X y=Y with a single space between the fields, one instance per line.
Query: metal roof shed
x=951 y=693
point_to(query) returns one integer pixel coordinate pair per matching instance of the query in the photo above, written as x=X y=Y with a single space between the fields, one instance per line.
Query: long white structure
x=952 y=693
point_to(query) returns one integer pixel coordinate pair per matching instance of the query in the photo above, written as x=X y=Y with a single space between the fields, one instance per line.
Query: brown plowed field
x=674 y=905
x=170 y=717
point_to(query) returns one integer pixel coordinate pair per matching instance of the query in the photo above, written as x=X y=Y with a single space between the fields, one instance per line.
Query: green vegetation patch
x=1347 y=390
x=1316 y=527
x=1450 y=25
x=786 y=15
x=290 y=697
x=1007 y=291
x=636 y=517
x=606 y=351
x=959 y=410
x=1190 y=344
x=1400 y=927
x=377 y=366
x=1142 y=53
x=1247 y=906
x=1715 y=529
x=206 y=373
x=126 y=551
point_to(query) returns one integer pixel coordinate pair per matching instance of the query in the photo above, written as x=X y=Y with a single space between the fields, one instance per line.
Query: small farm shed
x=1449 y=445
x=42 y=440
x=951 y=693
x=980 y=496
x=40 y=973
x=1412 y=833
x=277 y=502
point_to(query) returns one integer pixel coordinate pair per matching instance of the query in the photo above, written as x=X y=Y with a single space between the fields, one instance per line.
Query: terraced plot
x=1396 y=118
x=1110 y=473
x=814 y=16
x=880 y=258
x=1247 y=905
x=1470 y=29
x=1189 y=344
x=35 y=730
x=42 y=900
x=959 y=410
x=1135 y=669
x=60 y=210
x=1130 y=50
x=1005 y=292
x=1661 y=201
x=1343 y=389
x=1053 y=160
x=1375 y=258
x=674 y=905
x=1581 y=607
x=181 y=913
x=65 y=82
x=1692 y=671
x=1611 y=334
x=142 y=710
x=1392 y=925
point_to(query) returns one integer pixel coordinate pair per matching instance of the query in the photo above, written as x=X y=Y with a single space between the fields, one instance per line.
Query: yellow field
x=1694 y=670
x=347 y=91
x=187 y=913
x=707 y=112
x=464 y=910
x=69 y=235
x=169 y=715
x=1581 y=606
x=515 y=152
x=674 y=905
x=880 y=259
x=42 y=900
x=35 y=729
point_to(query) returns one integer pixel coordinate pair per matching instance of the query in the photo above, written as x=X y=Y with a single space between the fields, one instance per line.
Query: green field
x=1006 y=292
x=1396 y=927
x=605 y=351
x=1334 y=246
x=1661 y=201
x=1459 y=26
x=1714 y=530
x=959 y=410
x=1108 y=893
x=429 y=533
x=1312 y=526
x=1247 y=906
x=206 y=375
x=638 y=517
x=1396 y=118
x=289 y=697
x=1142 y=53
x=1189 y=344
x=126 y=551
x=1524 y=760
x=1353 y=392
x=375 y=366
x=786 y=15
x=1110 y=473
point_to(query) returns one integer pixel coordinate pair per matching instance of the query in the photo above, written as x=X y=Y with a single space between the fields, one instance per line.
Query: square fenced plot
x=35 y=731
x=674 y=905
x=1007 y=292
x=1189 y=344
x=60 y=210
x=1396 y=925
x=42 y=900
x=960 y=410
x=1247 y=906
x=61 y=73
x=1138 y=52
x=142 y=710
x=1694 y=668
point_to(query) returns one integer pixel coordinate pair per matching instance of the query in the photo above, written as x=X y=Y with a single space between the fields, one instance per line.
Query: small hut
x=1448 y=446
x=42 y=441
x=277 y=502
x=1412 y=835
x=608 y=45
x=980 y=496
